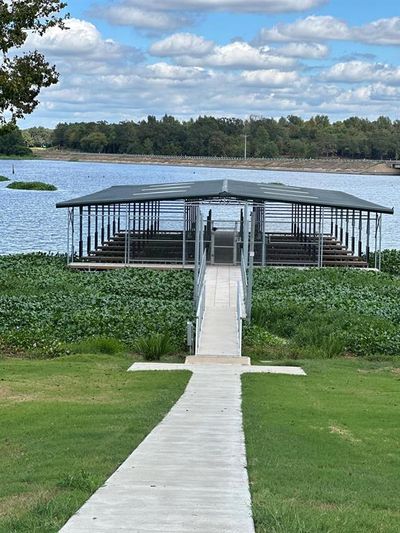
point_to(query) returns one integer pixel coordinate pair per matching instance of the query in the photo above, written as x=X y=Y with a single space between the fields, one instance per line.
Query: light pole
x=245 y=145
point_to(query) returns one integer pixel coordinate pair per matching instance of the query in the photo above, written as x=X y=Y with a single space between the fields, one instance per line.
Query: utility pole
x=245 y=145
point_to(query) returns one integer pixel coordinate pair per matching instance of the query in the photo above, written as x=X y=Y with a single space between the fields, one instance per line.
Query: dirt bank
x=334 y=166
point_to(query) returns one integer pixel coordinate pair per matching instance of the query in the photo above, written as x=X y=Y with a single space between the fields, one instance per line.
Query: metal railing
x=200 y=317
x=200 y=279
x=239 y=313
x=245 y=282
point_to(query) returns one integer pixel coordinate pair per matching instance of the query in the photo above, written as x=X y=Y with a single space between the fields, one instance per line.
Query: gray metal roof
x=212 y=189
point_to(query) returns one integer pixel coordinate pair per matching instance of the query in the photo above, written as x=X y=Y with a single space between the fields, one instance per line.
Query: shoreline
x=329 y=166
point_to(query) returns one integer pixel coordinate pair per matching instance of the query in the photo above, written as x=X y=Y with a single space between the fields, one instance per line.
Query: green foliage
x=81 y=480
x=326 y=312
x=38 y=137
x=154 y=346
x=390 y=262
x=23 y=75
x=3 y=178
x=223 y=137
x=44 y=306
x=31 y=186
x=12 y=143
x=99 y=345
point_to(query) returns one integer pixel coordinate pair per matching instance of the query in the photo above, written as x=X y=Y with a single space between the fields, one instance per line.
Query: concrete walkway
x=189 y=474
x=219 y=335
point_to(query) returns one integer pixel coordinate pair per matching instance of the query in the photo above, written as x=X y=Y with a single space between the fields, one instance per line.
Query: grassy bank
x=331 y=166
x=46 y=309
x=322 y=313
x=323 y=450
x=66 y=425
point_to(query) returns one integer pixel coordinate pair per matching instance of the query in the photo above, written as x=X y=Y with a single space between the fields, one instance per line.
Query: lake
x=30 y=221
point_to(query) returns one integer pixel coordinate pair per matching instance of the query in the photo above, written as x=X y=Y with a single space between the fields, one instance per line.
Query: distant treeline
x=224 y=137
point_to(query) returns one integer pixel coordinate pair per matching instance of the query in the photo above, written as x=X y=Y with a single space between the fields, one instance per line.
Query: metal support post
x=68 y=233
x=264 y=244
x=246 y=234
x=89 y=244
x=367 y=248
x=80 y=232
x=250 y=276
x=184 y=239
x=321 y=237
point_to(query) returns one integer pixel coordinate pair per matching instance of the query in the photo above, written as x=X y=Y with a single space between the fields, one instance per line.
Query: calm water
x=29 y=220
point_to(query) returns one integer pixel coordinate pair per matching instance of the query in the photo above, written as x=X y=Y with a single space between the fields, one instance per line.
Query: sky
x=126 y=59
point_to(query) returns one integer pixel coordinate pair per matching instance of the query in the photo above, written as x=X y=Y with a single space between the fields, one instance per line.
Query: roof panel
x=242 y=190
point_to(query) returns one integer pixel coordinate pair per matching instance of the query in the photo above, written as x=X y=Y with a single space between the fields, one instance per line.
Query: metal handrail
x=201 y=278
x=200 y=317
x=243 y=268
x=239 y=313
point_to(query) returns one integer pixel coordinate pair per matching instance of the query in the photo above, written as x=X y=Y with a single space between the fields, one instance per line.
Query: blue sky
x=125 y=59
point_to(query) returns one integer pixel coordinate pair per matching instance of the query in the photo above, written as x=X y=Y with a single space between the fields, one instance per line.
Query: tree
x=12 y=142
x=37 y=137
x=94 y=142
x=22 y=76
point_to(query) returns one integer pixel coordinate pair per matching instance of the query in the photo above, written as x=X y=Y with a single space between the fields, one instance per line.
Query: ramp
x=219 y=336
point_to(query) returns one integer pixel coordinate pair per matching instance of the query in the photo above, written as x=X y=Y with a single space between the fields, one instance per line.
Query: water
x=29 y=220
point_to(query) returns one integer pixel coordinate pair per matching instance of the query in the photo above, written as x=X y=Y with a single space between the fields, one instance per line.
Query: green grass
x=47 y=309
x=324 y=313
x=31 y=186
x=66 y=425
x=323 y=450
x=3 y=178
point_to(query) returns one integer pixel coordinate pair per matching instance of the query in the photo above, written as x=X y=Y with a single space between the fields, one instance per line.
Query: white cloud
x=181 y=44
x=250 y=6
x=304 y=50
x=361 y=71
x=382 y=31
x=313 y=28
x=101 y=79
x=320 y=28
x=82 y=39
x=269 y=78
x=163 y=15
x=173 y=72
x=240 y=55
x=147 y=19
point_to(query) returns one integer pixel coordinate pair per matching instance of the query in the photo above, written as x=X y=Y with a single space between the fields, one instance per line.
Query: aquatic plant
x=326 y=312
x=44 y=306
x=31 y=186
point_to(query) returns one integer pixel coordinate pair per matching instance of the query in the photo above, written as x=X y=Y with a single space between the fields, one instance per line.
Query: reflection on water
x=29 y=220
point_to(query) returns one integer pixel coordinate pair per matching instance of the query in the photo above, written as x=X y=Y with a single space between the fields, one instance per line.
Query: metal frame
x=169 y=232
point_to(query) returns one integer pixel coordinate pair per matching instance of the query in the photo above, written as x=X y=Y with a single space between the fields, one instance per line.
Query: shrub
x=390 y=262
x=31 y=186
x=3 y=178
x=98 y=345
x=154 y=346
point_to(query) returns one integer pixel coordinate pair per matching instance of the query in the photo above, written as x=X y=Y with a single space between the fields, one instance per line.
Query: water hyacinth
x=44 y=306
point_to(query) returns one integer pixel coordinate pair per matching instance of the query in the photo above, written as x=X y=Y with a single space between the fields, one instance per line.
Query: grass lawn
x=323 y=450
x=66 y=425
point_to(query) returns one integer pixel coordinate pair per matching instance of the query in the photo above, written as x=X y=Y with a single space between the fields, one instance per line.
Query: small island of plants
x=3 y=178
x=31 y=186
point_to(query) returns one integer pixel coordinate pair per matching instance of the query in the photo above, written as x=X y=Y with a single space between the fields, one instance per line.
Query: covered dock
x=173 y=225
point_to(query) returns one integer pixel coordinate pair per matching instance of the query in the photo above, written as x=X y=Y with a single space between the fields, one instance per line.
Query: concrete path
x=219 y=334
x=189 y=474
